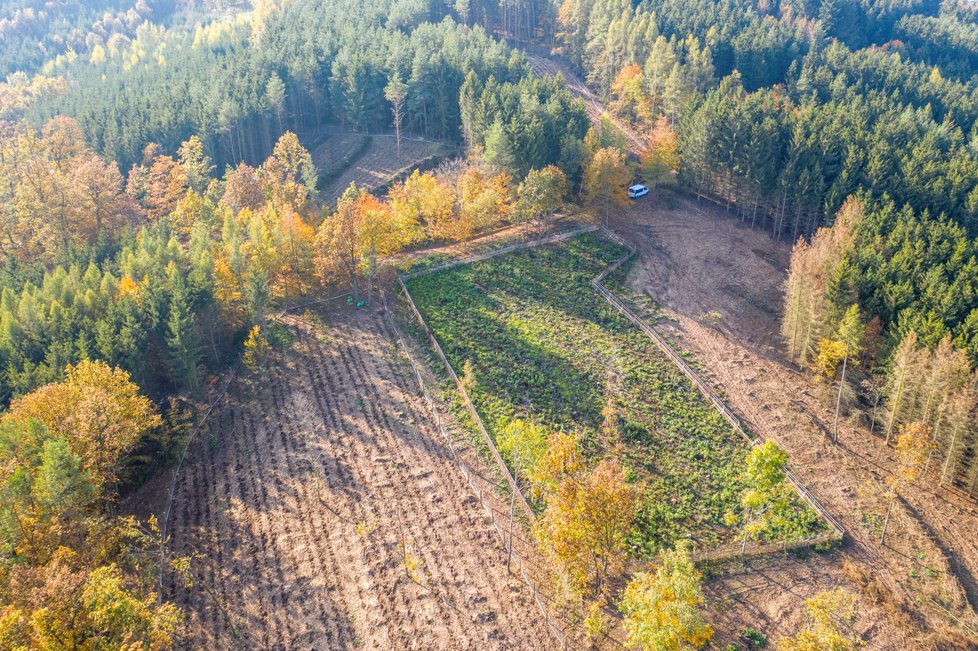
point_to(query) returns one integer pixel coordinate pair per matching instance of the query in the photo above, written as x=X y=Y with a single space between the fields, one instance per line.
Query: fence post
x=512 y=508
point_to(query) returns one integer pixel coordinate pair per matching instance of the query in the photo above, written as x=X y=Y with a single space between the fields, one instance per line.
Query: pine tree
x=499 y=154
x=196 y=164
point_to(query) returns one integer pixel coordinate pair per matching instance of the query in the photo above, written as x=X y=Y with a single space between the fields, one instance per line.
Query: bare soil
x=324 y=511
x=696 y=259
x=379 y=163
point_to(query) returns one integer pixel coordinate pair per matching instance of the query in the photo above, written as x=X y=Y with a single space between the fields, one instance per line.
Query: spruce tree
x=182 y=339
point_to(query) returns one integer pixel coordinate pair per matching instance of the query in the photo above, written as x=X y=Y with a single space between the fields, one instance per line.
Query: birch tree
x=605 y=180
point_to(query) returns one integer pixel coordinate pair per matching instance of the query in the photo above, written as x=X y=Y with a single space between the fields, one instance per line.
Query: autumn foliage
x=587 y=521
x=67 y=567
x=98 y=410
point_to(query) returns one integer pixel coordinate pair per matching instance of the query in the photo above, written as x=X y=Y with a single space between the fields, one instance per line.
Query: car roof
x=638 y=186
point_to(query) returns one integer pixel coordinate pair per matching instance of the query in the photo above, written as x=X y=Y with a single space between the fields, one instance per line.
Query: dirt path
x=694 y=260
x=316 y=495
x=546 y=67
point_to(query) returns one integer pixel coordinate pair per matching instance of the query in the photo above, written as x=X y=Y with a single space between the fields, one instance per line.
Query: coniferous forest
x=161 y=206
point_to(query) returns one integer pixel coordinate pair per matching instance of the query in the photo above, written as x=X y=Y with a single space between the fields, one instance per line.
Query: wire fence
x=165 y=520
x=478 y=257
x=472 y=477
x=467 y=401
x=229 y=377
x=837 y=531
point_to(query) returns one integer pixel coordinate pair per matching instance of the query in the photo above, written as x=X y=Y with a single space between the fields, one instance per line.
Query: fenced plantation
x=521 y=318
x=371 y=161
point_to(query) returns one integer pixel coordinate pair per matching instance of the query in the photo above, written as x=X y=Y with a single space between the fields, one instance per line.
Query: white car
x=637 y=191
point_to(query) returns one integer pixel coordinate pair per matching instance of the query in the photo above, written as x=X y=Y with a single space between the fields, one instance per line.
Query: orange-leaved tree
x=97 y=409
x=586 y=524
x=352 y=239
x=661 y=158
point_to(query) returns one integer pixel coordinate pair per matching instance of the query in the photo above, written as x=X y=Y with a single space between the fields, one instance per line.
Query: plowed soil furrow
x=317 y=478
x=454 y=520
x=413 y=534
x=303 y=554
x=297 y=401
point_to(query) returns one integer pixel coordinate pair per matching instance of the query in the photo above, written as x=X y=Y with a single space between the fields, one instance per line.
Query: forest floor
x=323 y=509
x=695 y=259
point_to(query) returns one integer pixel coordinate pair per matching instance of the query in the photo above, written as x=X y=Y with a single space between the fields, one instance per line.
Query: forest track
x=325 y=511
x=545 y=67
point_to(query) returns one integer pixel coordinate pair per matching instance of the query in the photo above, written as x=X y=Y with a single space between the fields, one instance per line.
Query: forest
x=159 y=204
x=139 y=257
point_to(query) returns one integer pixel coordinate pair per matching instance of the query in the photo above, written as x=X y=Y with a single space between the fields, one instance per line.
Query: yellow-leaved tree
x=662 y=606
x=255 y=348
x=831 y=619
x=97 y=409
x=72 y=576
x=605 y=179
x=767 y=498
x=661 y=158
x=914 y=446
x=424 y=205
x=586 y=524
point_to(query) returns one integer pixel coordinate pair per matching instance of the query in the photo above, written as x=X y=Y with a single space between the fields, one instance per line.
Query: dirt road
x=324 y=512
x=545 y=67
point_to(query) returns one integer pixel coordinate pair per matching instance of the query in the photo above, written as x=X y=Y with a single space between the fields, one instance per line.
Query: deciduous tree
x=586 y=524
x=605 y=180
x=766 y=499
x=542 y=193
x=98 y=410
x=423 y=204
x=914 y=446
x=660 y=160
x=663 y=607
x=288 y=176
x=831 y=619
